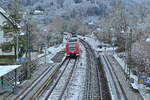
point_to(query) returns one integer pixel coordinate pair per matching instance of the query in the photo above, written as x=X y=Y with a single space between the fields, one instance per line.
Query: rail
x=34 y=64
x=119 y=91
x=36 y=89
x=59 y=80
x=91 y=59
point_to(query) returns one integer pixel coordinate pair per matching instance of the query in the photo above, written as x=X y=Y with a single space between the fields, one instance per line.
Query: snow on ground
x=51 y=51
x=62 y=81
x=135 y=85
x=75 y=91
x=92 y=40
x=75 y=88
x=124 y=67
x=95 y=43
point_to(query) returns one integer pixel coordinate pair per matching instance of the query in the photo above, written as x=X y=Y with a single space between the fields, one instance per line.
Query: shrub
x=6 y=47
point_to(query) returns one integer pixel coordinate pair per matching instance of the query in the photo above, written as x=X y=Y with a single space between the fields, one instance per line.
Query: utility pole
x=45 y=47
x=128 y=51
x=28 y=52
x=45 y=53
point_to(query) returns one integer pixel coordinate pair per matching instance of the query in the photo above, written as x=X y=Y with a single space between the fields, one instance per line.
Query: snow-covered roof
x=22 y=33
x=2 y=10
x=2 y=19
x=98 y=29
x=6 y=69
x=38 y=12
x=148 y=40
x=91 y=23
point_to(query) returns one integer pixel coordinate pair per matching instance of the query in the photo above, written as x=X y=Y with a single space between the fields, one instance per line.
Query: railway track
x=39 y=86
x=119 y=93
x=57 y=91
x=34 y=65
x=93 y=81
x=54 y=88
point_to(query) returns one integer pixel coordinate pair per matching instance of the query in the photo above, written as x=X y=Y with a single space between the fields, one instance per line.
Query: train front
x=72 y=48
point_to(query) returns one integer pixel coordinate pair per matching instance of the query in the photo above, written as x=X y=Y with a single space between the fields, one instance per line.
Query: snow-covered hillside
x=80 y=9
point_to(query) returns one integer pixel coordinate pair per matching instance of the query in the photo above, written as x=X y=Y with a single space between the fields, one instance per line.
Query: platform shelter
x=9 y=77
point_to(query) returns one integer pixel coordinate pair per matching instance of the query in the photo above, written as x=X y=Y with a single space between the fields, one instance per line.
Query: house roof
x=148 y=39
x=2 y=19
x=2 y=10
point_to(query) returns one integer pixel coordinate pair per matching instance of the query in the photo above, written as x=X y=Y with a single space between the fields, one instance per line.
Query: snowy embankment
x=124 y=67
x=51 y=52
x=94 y=43
x=141 y=88
x=92 y=40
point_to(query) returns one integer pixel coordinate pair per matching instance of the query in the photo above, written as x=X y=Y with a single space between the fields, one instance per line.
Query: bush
x=120 y=49
x=6 y=47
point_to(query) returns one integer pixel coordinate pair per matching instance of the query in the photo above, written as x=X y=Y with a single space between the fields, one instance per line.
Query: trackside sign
x=145 y=80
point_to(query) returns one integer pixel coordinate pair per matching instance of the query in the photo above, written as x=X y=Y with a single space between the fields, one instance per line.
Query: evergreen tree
x=13 y=21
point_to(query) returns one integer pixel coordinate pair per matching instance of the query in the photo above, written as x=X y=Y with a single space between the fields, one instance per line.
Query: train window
x=72 y=44
x=73 y=40
x=74 y=35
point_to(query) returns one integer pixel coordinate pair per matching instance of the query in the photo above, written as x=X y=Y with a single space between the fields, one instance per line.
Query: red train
x=72 y=47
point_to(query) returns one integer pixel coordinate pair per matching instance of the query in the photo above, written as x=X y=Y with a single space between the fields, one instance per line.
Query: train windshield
x=72 y=46
x=74 y=35
x=73 y=40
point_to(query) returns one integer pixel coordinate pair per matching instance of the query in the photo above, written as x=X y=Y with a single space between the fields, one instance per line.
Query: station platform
x=8 y=77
